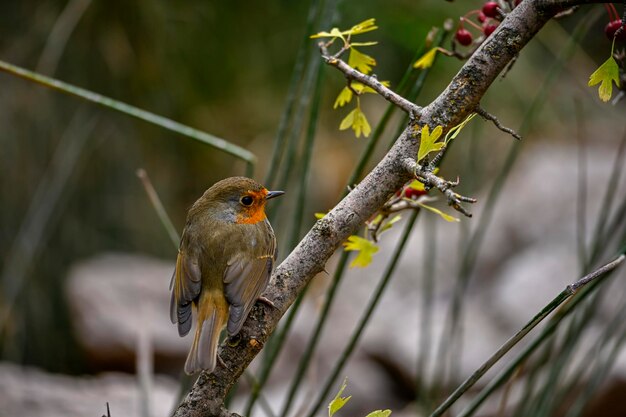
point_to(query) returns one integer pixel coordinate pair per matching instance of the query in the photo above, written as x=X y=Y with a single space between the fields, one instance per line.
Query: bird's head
x=237 y=199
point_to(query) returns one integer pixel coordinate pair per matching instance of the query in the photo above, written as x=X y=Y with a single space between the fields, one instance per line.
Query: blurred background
x=86 y=261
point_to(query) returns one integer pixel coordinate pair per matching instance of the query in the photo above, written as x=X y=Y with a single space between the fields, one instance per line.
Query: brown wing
x=185 y=286
x=248 y=273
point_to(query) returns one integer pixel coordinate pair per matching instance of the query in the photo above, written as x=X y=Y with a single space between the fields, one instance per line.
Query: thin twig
x=369 y=80
x=488 y=116
x=431 y=180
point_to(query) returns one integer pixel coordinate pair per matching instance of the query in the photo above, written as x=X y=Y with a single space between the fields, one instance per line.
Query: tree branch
x=461 y=97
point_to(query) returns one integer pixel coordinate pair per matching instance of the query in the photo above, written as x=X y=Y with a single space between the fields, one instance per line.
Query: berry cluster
x=487 y=20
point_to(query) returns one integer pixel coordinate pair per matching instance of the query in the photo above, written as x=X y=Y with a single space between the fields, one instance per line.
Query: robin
x=224 y=263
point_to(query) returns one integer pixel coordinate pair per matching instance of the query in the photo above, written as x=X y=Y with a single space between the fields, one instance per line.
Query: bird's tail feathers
x=212 y=316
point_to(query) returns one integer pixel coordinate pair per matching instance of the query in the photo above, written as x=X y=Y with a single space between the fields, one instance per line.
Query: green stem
x=321 y=321
x=306 y=161
x=580 y=290
x=365 y=318
x=593 y=278
x=133 y=111
x=294 y=83
x=158 y=207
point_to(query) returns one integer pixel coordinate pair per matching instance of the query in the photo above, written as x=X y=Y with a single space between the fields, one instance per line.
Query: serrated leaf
x=338 y=402
x=389 y=224
x=363 y=27
x=426 y=61
x=428 y=142
x=348 y=121
x=365 y=248
x=319 y=215
x=379 y=413
x=360 y=124
x=361 y=61
x=443 y=215
x=606 y=74
x=453 y=133
x=343 y=98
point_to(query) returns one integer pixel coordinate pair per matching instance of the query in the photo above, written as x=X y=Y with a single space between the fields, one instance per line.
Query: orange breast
x=253 y=215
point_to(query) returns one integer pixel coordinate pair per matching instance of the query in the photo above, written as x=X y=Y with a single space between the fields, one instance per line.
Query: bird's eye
x=246 y=200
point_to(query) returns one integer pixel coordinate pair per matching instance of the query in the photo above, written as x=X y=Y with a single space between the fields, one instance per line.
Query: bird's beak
x=272 y=194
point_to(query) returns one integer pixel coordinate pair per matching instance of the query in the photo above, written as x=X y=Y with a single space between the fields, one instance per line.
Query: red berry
x=488 y=29
x=612 y=27
x=463 y=36
x=412 y=193
x=517 y=2
x=481 y=17
x=490 y=9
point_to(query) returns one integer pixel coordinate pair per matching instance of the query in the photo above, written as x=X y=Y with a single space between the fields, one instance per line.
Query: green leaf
x=389 y=224
x=357 y=121
x=362 y=88
x=338 y=402
x=361 y=61
x=363 y=27
x=428 y=142
x=319 y=215
x=361 y=125
x=344 y=97
x=365 y=249
x=426 y=60
x=348 y=121
x=379 y=413
x=457 y=129
x=605 y=75
x=334 y=33
x=443 y=215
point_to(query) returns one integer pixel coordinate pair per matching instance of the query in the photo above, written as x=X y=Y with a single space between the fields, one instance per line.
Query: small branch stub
x=430 y=180
x=488 y=116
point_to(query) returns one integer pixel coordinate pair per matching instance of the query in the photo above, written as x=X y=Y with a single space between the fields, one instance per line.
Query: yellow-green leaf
x=363 y=43
x=416 y=185
x=361 y=61
x=389 y=224
x=334 y=33
x=360 y=124
x=606 y=74
x=348 y=121
x=457 y=129
x=443 y=215
x=428 y=142
x=426 y=60
x=365 y=248
x=319 y=215
x=362 y=88
x=363 y=27
x=344 y=97
x=379 y=413
x=339 y=401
